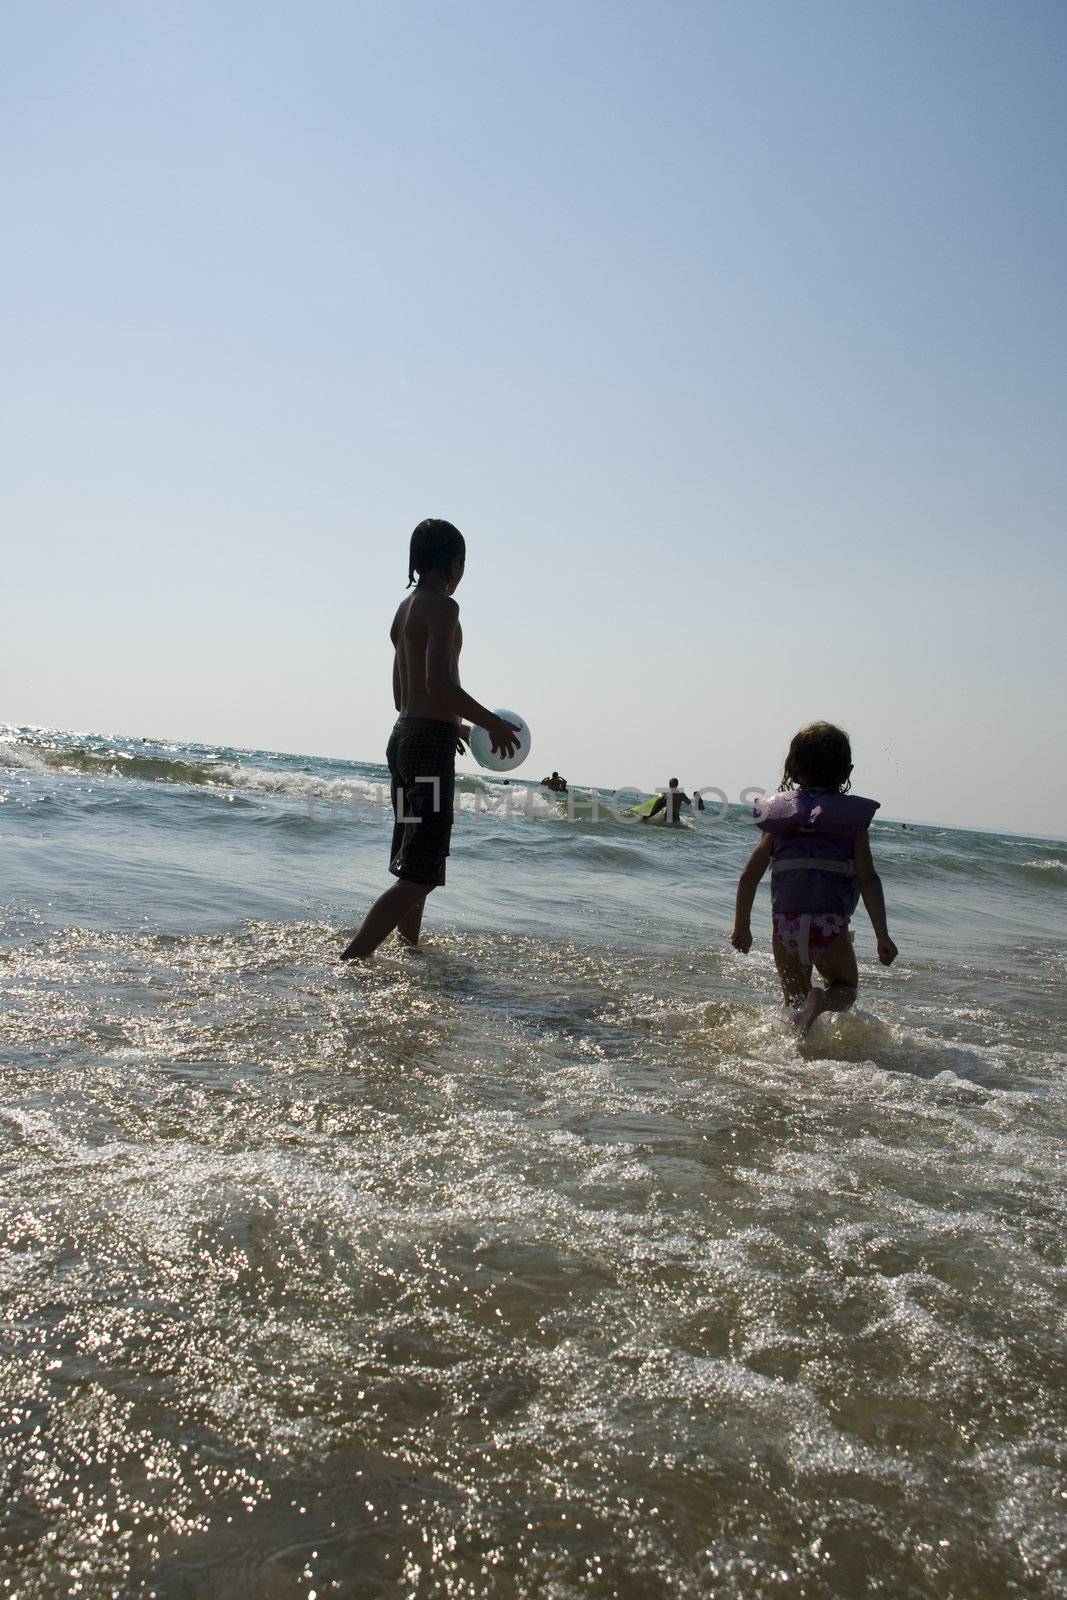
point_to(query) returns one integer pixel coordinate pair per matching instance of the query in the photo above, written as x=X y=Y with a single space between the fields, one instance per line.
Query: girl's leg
x=793 y=974
x=837 y=964
x=394 y=907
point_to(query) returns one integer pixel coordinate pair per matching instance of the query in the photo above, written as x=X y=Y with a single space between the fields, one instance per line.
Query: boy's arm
x=870 y=886
x=396 y=681
x=747 y=884
x=441 y=680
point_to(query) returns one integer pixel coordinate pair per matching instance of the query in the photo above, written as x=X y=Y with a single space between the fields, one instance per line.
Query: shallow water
x=533 y=1262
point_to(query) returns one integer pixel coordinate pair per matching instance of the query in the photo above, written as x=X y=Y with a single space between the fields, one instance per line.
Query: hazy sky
x=731 y=335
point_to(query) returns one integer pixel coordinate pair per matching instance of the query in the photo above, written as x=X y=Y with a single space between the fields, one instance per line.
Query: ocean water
x=537 y=1261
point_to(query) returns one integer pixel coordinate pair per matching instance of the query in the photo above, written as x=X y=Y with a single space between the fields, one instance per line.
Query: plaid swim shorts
x=422 y=773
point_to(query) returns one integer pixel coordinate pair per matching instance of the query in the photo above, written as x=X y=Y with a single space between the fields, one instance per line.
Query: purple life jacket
x=813 y=834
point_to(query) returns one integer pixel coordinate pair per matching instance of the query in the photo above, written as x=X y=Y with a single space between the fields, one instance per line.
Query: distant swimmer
x=672 y=802
x=557 y=784
x=427 y=640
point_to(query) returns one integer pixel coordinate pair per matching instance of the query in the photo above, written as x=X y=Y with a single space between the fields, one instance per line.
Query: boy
x=427 y=640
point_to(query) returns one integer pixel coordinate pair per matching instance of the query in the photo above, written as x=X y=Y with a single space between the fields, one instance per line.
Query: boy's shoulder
x=424 y=603
x=429 y=604
x=418 y=613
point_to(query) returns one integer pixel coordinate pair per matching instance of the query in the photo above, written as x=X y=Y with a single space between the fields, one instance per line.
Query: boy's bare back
x=427 y=639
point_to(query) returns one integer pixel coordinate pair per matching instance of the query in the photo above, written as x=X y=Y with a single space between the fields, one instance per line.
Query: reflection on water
x=537 y=1262
x=513 y=1267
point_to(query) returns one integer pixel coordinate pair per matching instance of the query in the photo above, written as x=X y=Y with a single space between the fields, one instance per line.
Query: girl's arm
x=747 y=884
x=870 y=885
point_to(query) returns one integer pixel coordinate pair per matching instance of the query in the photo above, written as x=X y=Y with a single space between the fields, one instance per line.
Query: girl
x=816 y=844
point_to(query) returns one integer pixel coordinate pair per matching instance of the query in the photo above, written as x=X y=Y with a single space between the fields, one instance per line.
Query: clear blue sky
x=731 y=335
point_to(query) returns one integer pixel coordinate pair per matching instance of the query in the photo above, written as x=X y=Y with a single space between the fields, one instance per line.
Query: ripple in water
x=513 y=1269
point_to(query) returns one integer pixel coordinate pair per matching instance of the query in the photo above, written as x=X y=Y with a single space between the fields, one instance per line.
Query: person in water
x=815 y=841
x=672 y=802
x=429 y=732
x=557 y=784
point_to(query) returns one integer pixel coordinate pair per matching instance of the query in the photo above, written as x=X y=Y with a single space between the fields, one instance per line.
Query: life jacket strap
x=813 y=864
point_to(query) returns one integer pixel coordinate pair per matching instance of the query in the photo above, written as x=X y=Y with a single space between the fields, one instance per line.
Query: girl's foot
x=813 y=1007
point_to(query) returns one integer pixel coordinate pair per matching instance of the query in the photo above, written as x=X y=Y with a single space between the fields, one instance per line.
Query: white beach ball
x=487 y=757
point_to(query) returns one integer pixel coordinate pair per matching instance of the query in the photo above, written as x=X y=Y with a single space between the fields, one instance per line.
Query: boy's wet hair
x=435 y=544
x=820 y=754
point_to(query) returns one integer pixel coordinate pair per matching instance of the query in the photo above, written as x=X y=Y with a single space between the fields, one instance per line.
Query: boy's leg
x=421 y=758
x=410 y=923
x=389 y=911
x=837 y=964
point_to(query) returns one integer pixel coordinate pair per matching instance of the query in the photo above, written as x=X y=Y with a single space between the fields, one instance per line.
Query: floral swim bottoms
x=806 y=937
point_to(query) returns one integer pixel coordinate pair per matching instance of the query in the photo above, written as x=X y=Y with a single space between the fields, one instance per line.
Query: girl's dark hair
x=435 y=544
x=821 y=755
